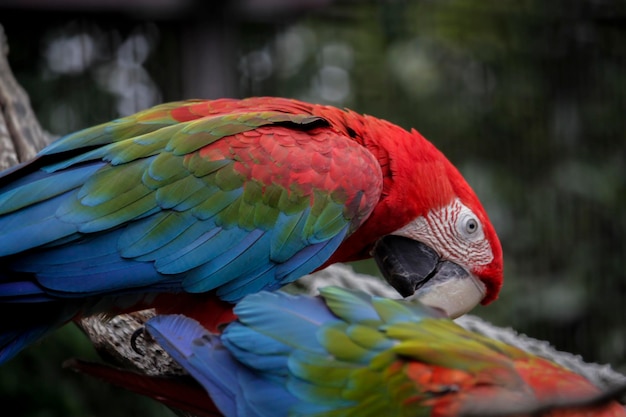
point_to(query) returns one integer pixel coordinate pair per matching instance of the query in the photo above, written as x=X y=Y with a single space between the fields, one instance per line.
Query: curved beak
x=416 y=271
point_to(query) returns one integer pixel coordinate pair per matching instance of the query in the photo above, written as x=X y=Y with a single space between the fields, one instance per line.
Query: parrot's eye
x=471 y=225
x=468 y=225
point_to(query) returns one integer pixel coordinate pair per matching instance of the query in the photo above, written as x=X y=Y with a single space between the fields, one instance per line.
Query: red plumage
x=228 y=197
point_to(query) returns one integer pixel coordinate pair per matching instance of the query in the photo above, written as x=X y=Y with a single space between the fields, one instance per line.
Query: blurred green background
x=527 y=98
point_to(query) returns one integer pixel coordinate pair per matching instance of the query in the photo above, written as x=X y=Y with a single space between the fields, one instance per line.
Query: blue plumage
x=235 y=389
x=23 y=291
x=276 y=359
x=154 y=203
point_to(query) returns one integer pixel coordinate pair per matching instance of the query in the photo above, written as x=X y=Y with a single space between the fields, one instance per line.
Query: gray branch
x=21 y=136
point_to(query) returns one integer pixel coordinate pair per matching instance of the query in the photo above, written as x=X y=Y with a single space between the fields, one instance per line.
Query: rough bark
x=21 y=135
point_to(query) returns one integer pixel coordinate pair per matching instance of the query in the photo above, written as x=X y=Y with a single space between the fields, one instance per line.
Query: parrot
x=217 y=199
x=348 y=353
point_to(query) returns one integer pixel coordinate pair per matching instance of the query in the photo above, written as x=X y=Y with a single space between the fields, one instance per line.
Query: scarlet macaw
x=229 y=197
x=346 y=353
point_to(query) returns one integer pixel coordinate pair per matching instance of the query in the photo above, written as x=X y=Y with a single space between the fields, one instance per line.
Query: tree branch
x=21 y=136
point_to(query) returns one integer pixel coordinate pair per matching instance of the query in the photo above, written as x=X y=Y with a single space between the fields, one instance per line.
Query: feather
x=288 y=236
x=177 y=392
x=222 y=196
x=308 y=258
x=204 y=249
x=38 y=190
x=231 y=262
x=351 y=306
x=289 y=355
x=296 y=323
x=22 y=291
x=33 y=226
x=205 y=359
x=152 y=233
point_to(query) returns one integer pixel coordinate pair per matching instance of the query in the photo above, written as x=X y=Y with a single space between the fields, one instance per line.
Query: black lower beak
x=408 y=265
x=415 y=269
x=405 y=263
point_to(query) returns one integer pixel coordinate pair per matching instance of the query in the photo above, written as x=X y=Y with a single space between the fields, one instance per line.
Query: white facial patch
x=454 y=231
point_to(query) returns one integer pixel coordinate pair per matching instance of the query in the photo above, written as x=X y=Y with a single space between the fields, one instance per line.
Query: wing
x=235 y=389
x=173 y=199
x=308 y=357
x=348 y=353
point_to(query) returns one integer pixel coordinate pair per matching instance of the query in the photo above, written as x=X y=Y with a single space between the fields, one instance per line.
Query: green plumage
x=161 y=169
x=227 y=196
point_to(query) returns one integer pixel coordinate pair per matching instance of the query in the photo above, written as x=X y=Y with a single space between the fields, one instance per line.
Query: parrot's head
x=449 y=258
x=446 y=253
x=429 y=233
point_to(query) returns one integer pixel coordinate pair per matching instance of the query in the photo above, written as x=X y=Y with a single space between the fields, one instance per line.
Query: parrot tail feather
x=235 y=389
x=178 y=392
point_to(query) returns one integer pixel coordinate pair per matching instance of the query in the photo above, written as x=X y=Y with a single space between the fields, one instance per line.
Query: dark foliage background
x=527 y=98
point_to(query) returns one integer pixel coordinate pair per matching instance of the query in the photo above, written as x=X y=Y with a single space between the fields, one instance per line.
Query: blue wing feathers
x=231 y=263
x=32 y=226
x=200 y=250
x=215 y=369
x=188 y=240
x=149 y=234
x=85 y=251
x=289 y=237
x=309 y=258
x=33 y=235
x=22 y=291
x=236 y=390
x=43 y=187
x=263 y=278
x=11 y=343
x=295 y=326
x=256 y=390
x=92 y=266
x=273 y=276
x=166 y=329
x=261 y=356
x=250 y=343
x=351 y=306
x=110 y=210
x=120 y=276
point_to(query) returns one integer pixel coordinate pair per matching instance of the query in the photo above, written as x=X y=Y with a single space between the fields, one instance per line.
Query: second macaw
x=226 y=198
x=346 y=353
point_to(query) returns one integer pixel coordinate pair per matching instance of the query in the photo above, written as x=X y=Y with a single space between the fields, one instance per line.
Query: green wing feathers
x=218 y=191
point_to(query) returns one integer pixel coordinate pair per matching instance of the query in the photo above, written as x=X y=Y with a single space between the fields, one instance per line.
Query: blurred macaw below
x=346 y=353
x=224 y=198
